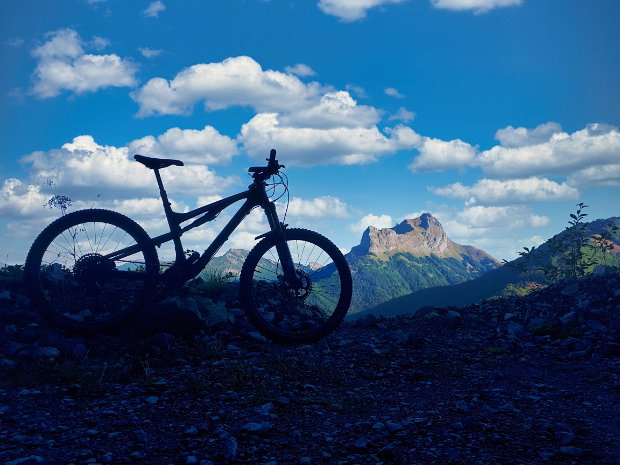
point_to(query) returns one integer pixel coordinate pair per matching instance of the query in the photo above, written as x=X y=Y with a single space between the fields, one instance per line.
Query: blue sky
x=497 y=116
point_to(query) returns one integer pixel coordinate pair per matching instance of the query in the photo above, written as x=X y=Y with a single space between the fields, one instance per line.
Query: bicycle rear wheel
x=295 y=315
x=73 y=281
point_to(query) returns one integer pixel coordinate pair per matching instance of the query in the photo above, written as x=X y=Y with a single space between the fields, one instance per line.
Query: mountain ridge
x=412 y=255
x=485 y=286
x=421 y=236
x=391 y=262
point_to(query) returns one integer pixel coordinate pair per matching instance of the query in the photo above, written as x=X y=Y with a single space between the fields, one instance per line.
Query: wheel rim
x=82 y=286
x=296 y=310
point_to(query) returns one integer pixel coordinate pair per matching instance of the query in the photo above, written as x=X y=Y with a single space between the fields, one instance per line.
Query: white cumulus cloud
x=596 y=176
x=522 y=137
x=334 y=109
x=62 y=64
x=511 y=191
x=154 y=8
x=498 y=217
x=83 y=167
x=313 y=124
x=206 y=146
x=19 y=199
x=403 y=115
x=563 y=154
x=312 y=146
x=99 y=43
x=300 y=70
x=351 y=10
x=150 y=52
x=479 y=6
x=234 y=81
x=392 y=92
x=378 y=221
x=319 y=207
x=440 y=155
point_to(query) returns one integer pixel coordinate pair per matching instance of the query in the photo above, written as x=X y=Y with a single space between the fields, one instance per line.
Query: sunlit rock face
x=420 y=237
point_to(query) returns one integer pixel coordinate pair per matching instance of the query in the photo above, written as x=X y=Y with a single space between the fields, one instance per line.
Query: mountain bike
x=94 y=269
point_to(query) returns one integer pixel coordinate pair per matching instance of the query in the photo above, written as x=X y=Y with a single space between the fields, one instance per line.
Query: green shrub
x=570 y=255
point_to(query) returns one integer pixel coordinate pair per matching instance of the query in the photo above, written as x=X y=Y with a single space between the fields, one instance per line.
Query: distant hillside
x=392 y=262
x=488 y=285
x=413 y=255
x=230 y=262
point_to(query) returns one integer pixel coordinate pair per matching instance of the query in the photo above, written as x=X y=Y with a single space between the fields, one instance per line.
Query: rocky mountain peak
x=419 y=236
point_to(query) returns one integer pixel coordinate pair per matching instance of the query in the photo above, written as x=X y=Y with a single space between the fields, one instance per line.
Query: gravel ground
x=510 y=381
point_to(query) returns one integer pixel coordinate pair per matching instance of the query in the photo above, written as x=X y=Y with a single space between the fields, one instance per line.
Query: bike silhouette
x=94 y=269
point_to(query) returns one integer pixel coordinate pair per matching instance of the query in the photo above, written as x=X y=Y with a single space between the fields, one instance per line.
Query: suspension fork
x=286 y=260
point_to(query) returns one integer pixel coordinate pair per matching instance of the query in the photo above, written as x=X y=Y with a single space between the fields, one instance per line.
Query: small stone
x=7 y=364
x=257 y=336
x=571 y=451
x=361 y=443
x=565 y=437
x=515 y=330
x=454 y=318
x=393 y=427
x=47 y=352
x=461 y=406
x=612 y=349
x=568 y=318
x=457 y=425
x=578 y=355
x=265 y=409
x=398 y=337
x=32 y=459
x=230 y=448
x=257 y=427
x=282 y=400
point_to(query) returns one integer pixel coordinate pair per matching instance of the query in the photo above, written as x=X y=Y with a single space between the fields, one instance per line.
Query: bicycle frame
x=255 y=196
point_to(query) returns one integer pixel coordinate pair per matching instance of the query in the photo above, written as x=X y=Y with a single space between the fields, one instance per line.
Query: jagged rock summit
x=415 y=254
x=421 y=237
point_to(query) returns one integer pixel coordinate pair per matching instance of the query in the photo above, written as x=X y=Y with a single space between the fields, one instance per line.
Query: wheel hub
x=92 y=267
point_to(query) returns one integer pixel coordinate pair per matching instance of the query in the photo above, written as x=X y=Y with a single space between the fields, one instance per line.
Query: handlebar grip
x=272 y=156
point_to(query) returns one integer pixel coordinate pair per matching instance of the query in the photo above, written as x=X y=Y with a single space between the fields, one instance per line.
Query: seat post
x=175 y=227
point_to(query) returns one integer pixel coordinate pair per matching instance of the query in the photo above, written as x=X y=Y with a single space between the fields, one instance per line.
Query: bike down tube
x=223 y=236
x=210 y=209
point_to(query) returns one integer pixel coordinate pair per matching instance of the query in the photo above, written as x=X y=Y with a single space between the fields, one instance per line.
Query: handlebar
x=272 y=166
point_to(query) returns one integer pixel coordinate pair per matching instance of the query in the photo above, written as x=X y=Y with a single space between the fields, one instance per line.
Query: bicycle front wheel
x=304 y=313
x=79 y=278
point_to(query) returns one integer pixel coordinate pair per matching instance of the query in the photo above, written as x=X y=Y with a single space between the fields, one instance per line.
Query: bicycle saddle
x=157 y=163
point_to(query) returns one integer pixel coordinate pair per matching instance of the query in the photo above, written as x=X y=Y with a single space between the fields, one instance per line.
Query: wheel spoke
x=312 y=308
x=72 y=282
